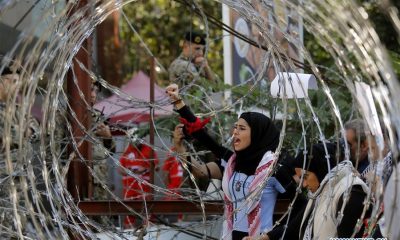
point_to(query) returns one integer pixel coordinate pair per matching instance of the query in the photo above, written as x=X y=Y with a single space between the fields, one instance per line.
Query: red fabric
x=263 y=171
x=192 y=127
x=175 y=175
x=137 y=160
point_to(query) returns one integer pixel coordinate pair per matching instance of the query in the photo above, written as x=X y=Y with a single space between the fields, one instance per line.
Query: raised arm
x=198 y=168
x=200 y=134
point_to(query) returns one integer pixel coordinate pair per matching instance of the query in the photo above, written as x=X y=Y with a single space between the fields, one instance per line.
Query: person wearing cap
x=103 y=146
x=191 y=63
x=249 y=182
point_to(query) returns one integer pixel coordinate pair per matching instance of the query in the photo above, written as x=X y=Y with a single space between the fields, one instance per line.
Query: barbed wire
x=35 y=197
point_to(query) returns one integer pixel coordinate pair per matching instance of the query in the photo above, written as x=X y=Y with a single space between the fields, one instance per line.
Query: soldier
x=188 y=68
x=13 y=157
x=191 y=63
x=103 y=141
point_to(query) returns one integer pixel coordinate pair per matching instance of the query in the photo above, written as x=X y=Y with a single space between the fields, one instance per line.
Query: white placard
x=367 y=104
x=292 y=84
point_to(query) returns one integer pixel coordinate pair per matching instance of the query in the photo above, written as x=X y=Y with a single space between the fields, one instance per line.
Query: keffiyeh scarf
x=263 y=171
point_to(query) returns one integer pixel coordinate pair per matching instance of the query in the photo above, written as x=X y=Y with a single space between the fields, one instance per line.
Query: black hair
x=9 y=70
x=317 y=158
x=97 y=84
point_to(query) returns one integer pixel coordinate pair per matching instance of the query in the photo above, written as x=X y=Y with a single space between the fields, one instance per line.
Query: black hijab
x=316 y=160
x=264 y=137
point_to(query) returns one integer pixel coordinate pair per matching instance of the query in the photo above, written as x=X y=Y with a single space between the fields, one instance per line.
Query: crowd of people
x=338 y=186
x=342 y=190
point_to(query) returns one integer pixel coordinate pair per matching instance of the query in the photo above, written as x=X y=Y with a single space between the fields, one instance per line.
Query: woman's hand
x=261 y=237
x=173 y=94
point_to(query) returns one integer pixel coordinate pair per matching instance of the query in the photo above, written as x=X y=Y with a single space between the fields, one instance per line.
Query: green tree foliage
x=385 y=30
x=162 y=25
x=329 y=70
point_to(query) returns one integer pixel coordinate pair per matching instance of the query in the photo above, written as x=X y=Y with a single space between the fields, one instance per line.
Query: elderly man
x=356 y=137
x=191 y=63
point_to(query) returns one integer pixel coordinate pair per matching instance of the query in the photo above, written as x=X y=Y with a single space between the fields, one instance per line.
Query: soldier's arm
x=209 y=74
x=104 y=132
x=205 y=69
x=182 y=71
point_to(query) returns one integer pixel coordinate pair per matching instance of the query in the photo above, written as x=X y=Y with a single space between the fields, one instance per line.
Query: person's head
x=193 y=45
x=8 y=79
x=255 y=131
x=94 y=89
x=254 y=134
x=316 y=165
x=241 y=135
x=310 y=179
x=357 y=139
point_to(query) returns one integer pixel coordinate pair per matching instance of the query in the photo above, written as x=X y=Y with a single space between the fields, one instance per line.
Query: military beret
x=195 y=37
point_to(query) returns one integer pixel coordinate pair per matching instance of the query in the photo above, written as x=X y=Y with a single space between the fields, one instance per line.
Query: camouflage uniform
x=100 y=146
x=99 y=155
x=19 y=156
x=182 y=71
x=62 y=136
